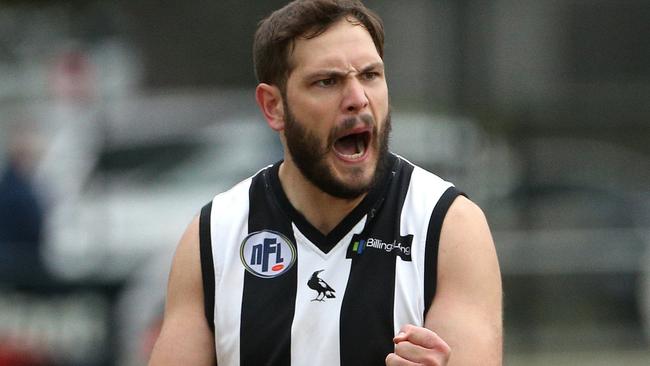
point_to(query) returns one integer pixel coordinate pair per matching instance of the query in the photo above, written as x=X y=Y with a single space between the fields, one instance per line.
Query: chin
x=357 y=178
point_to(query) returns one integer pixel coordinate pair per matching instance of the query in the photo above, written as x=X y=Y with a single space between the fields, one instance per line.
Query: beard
x=309 y=154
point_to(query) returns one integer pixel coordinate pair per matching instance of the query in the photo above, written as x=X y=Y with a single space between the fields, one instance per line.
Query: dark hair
x=275 y=34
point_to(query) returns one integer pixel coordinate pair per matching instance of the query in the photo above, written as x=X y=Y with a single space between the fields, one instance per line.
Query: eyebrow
x=373 y=66
x=332 y=73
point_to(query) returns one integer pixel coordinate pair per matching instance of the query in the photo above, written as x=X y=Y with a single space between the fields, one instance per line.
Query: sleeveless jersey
x=279 y=292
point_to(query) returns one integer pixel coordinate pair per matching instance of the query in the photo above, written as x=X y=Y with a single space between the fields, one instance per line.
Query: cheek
x=317 y=116
x=307 y=106
x=379 y=97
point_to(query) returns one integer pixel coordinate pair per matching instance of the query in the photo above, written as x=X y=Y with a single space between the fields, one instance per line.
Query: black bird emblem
x=317 y=284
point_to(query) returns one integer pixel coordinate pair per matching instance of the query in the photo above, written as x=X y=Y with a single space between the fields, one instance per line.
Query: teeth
x=360 y=146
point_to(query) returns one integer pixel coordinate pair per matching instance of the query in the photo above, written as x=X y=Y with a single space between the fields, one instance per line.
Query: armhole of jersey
x=432 y=244
x=207 y=265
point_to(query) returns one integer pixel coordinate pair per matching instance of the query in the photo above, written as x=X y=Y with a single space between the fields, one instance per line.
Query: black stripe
x=433 y=239
x=366 y=324
x=207 y=265
x=268 y=304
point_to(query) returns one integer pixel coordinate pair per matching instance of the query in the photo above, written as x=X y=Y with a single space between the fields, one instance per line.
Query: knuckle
x=408 y=327
x=445 y=348
x=439 y=354
x=434 y=359
x=448 y=353
x=400 y=348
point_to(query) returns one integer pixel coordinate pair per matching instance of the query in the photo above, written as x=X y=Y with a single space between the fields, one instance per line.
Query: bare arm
x=467 y=309
x=185 y=338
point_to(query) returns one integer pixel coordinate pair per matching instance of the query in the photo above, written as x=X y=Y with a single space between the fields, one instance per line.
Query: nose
x=355 y=98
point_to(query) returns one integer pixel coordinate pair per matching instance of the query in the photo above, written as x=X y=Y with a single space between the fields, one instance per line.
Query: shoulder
x=424 y=185
x=241 y=190
x=467 y=254
x=465 y=230
x=464 y=212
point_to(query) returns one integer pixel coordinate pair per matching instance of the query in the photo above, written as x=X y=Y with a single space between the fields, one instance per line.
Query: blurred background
x=119 y=120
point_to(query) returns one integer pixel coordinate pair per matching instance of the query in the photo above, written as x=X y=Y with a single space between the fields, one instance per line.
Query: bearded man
x=343 y=253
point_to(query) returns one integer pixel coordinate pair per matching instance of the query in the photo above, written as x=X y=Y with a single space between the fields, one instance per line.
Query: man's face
x=309 y=154
x=336 y=110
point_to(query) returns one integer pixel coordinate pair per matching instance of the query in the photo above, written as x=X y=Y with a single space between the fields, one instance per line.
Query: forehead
x=344 y=43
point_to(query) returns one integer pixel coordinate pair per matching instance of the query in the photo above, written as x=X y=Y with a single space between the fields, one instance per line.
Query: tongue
x=348 y=145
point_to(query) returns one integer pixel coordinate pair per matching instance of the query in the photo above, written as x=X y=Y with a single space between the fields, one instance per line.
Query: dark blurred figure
x=21 y=213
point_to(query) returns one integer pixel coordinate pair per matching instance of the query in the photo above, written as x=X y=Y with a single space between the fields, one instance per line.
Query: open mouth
x=352 y=146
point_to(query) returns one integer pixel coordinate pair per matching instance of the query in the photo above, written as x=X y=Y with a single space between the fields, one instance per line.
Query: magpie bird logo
x=321 y=287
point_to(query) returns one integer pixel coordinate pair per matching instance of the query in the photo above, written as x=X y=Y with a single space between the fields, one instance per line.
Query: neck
x=322 y=210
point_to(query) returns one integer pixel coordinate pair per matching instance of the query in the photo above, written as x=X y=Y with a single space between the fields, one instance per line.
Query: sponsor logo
x=400 y=247
x=267 y=254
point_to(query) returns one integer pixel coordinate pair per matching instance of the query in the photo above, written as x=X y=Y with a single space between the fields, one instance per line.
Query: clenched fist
x=418 y=346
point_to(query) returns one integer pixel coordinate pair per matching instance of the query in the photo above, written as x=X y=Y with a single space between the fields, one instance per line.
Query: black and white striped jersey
x=279 y=292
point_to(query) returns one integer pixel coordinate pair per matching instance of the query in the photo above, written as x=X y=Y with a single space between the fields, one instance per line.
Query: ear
x=269 y=99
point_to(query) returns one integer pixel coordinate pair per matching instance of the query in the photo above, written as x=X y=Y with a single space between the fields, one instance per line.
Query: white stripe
x=315 y=331
x=425 y=189
x=229 y=225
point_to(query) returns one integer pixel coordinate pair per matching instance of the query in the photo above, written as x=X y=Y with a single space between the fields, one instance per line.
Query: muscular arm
x=185 y=338
x=466 y=311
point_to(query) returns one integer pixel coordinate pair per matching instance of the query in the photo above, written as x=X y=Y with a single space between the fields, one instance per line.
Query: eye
x=326 y=82
x=370 y=75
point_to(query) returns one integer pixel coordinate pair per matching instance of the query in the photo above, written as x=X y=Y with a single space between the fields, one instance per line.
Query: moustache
x=365 y=120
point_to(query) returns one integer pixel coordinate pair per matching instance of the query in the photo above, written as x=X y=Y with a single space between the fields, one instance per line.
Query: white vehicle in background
x=140 y=197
